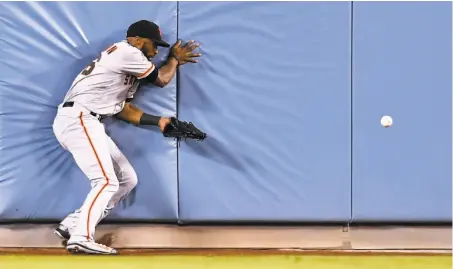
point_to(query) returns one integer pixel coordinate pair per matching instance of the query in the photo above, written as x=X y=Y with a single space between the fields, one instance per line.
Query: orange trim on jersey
x=103 y=172
x=112 y=49
x=146 y=73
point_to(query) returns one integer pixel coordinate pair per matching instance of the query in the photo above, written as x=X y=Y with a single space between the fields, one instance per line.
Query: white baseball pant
x=112 y=176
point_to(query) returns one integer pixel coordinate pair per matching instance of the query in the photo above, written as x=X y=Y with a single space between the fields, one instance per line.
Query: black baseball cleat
x=62 y=233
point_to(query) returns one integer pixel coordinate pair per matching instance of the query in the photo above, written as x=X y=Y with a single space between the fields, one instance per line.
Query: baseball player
x=105 y=88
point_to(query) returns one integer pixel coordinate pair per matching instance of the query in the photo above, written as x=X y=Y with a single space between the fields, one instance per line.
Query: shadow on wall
x=199 y=100
x=214 y=150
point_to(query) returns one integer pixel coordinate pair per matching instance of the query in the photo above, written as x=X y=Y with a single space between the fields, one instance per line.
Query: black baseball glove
x=183 y=129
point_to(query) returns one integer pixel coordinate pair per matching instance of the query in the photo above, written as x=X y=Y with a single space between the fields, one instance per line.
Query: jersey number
x=91 y=66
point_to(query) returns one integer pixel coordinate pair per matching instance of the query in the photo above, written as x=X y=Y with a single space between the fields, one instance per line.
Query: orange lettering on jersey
x=111 y=49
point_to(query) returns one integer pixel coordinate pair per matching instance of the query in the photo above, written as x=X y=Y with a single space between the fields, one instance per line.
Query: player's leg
x=127 y=178
x=65 y=121
x=67 y=225
x=125 y=173
x=86 y=140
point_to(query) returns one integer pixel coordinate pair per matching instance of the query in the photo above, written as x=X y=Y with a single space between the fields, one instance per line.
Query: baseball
x=386 y=121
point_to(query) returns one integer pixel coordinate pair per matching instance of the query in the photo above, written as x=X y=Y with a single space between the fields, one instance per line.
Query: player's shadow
x=198 y=99
x=216 y=151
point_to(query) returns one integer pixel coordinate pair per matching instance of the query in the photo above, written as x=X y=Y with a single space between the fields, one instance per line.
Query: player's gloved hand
x=184 y=54
x=163 y=122
x=180 y=129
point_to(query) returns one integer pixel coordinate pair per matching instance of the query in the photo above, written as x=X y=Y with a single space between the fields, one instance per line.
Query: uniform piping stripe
x=103 y=172
x=144 y=74
x=112 y=49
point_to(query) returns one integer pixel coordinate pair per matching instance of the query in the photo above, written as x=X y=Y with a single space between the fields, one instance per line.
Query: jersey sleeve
x=136 y=64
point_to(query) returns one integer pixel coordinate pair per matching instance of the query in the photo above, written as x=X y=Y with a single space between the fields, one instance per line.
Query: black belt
x=71 y=104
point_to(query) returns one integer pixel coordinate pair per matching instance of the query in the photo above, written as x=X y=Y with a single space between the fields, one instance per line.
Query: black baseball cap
x=147 y=29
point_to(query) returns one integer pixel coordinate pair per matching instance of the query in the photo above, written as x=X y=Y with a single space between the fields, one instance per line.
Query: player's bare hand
x=184 y=54
x=163 y=122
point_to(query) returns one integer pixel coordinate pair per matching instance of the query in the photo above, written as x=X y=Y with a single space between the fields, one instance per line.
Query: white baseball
x=386 y=121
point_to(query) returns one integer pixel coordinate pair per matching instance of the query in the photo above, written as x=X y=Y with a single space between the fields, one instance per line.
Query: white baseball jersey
x=104 y=85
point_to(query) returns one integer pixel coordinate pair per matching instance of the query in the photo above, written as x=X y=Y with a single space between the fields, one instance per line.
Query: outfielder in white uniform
x=104 y=88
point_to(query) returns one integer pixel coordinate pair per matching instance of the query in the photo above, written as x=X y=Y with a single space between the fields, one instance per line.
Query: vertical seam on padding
x=103 y=172
x=177 y=87
x=351 y=66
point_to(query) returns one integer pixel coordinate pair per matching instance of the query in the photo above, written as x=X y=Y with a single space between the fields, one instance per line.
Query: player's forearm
x=135 y=115
x=130 y=113
x=167 y=72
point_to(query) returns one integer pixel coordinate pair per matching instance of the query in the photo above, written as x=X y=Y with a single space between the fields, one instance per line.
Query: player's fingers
x=192 y=60
x=194 y=54
x=178 y=43
x=188 y=44
x=194 y=46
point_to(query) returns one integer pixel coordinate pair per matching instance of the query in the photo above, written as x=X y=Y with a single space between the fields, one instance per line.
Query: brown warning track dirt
x=227 y=252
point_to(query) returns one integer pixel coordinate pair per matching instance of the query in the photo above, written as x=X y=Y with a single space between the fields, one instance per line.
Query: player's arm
x=178 y=56
x=137 y=65
x=135 y=115
x=164 y=74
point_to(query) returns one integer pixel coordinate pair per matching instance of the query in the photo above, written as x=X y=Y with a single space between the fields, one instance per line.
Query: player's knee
x=109 y=183
x=132 y=180
x=128 y=178
x=113 y=185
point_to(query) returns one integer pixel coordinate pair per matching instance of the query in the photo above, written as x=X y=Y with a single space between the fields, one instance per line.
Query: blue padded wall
x=272 y=91
x=402 y=67
x=43 y=46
